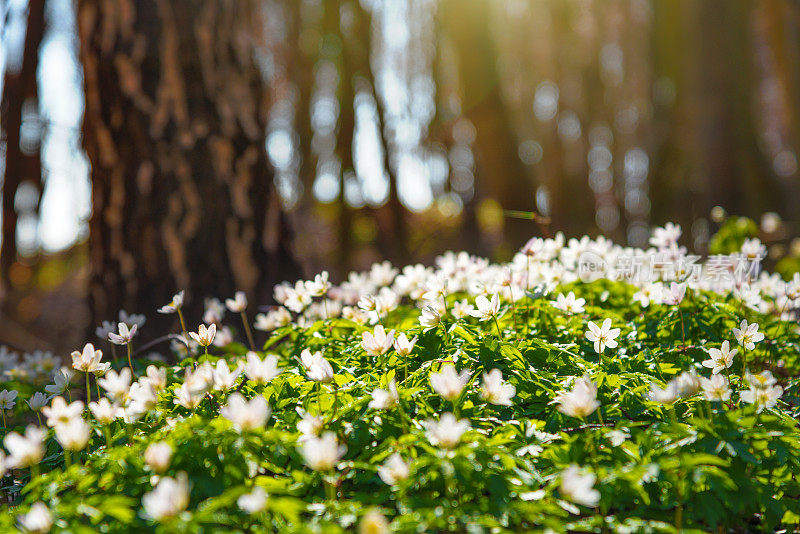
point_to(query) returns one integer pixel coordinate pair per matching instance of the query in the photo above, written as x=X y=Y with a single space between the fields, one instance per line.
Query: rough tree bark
x=182 y=190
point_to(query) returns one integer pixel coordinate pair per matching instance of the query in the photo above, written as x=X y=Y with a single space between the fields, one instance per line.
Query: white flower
x=101 y=368
x=60 y=413
x=667 y=395
x=169 y=498
x=461 y=309
x=297 y=298
x=667 y=236
x=142 y=395
x=436 y=288
x=688 y=383
x=581 y=401
x=650 y=292
x=73 y=435
x=747 y=335
x=238 y=303
x=385 y=399
x=721 y=358
x=253 y=502
x=117 y=385
x=617 y=437
x=317 y=367
x=103 y=411
x=215 y=311
x=38 y=519
x=88 y=360
x=261 y=371
x=533 y=247
x=579 y=488
x=204 y=335
x=104 y=329
x=394 y=470
x=448 y=383
x=199 y=380
x=378 y=343
x=403 y=346
x=125 y=334
x=224 y=337
x=273 y=319
x=319 y=286
x=224 y=378
x=368 y=303
x=602 y=336
x=374 y=522
x=158 y=455
x=569 y=303
x=174 y=305
x=485 y=308
x=674 y=295
x=763 y=380
x=310 y=425
x=753 y=249
x=322 y=453
x=157 y=377
x=37 y=401
x=716 y=388
x=8 y=399
x=762 y=398
x=60 y=383
x=246 y=415
x=430 y=318
x=26 y=450
x=447 y=431
x=495 y=391
x=184 y=396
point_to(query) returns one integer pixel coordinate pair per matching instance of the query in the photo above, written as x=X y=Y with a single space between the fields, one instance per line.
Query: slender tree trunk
x=182 y=192
x=19 y=88
x=499 y=168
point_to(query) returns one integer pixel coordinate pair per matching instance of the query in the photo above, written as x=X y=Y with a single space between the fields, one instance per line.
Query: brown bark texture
x=182 y=190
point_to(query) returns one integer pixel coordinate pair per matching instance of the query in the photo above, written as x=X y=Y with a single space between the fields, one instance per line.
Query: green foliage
x=695 y=465
x=732 y=234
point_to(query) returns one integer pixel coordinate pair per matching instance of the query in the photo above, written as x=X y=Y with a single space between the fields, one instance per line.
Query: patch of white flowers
x=237 y=388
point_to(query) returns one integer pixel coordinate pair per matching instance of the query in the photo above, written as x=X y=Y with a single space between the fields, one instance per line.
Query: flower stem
x=128 y=345
x=88 y=391
x=330 y=490
x=67 y=459
x=183 y=327
x=744 y=365
x=497 y=324
x=248 y=331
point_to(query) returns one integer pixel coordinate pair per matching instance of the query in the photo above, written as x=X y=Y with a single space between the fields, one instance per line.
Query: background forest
x=213 y=145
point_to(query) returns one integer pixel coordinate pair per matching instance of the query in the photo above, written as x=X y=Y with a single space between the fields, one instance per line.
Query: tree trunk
x=500 y=171
x=182 y=191
x=19 y=87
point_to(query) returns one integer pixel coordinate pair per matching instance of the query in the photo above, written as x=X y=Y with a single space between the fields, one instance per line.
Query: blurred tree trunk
x=182 y=191
x=337 y=53
x=500 y=171
x=735 y=168
x=19 y=89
